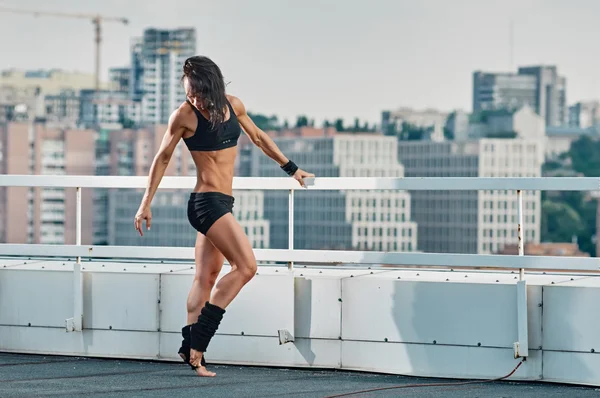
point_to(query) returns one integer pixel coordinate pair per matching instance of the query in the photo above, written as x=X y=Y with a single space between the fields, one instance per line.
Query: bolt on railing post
x=291 y=226
x=77 y=277
x=520 y=228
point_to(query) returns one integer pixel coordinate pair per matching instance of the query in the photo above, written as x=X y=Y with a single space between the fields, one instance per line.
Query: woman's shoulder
x=236 y=104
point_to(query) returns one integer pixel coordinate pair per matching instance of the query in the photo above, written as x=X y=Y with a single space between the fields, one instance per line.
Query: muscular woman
x=210 y=123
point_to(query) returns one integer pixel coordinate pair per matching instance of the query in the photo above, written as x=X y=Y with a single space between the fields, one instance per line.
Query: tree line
x=270 y=123
x=571 y=215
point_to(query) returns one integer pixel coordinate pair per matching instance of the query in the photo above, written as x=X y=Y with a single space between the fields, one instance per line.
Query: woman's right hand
x=143 y=213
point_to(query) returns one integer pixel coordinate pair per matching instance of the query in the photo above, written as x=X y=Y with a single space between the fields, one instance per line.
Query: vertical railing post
x=285 y=336
x=521 y=347
x=520 y=228
x=291 y=226
x=77 y=322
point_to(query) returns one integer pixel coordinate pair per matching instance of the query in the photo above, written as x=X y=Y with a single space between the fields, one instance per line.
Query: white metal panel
x=571 y=320
x=319 y=183
x=264 y=305
x=318 y=307
x=424 y=312
x=39 y=298
x=317 y=256
x=174 y=289
x=534 y=316
x=267 y=351
x=98 y=343
x=413 y=359
x=120 y=301
x=572 y=367
x=438 y=361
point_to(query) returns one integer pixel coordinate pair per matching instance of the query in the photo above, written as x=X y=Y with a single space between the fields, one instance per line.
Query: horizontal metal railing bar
x=319 y=183
x=331 y=257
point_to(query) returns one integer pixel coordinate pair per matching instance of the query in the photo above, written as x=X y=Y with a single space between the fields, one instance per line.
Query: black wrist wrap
x=290 y=168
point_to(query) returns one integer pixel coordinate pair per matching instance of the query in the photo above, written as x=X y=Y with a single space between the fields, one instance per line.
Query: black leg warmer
x=185 y=347
x=185 y=344
x=208 y=322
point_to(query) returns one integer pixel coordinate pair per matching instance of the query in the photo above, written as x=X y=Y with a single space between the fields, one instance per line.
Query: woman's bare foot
x=196 y=360
x=203 y=372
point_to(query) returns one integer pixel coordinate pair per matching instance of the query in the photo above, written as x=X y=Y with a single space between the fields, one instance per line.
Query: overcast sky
x=330 y=58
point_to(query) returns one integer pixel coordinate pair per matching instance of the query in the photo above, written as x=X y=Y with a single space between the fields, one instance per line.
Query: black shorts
x=204 y=208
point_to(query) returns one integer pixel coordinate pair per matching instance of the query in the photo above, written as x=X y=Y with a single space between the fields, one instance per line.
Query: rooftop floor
x=33 y=375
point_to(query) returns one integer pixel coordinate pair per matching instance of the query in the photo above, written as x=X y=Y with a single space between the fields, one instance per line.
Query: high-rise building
x=160 y=55
x=136 y=71
x=44 y=215
x=473 y=221
x=539 y=87
x=551 y=93
x=108 y=109
x=363 y=220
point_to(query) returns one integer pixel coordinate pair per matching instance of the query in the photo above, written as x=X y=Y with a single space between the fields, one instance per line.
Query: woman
x=209 y=124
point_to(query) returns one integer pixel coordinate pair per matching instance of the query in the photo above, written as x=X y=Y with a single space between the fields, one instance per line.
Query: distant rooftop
x=571 y=130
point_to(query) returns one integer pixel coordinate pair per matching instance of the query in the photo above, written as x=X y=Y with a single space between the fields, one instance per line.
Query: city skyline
x=406 y=52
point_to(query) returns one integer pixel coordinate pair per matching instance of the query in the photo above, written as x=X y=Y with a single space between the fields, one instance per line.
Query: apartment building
x=44 y=215
x=473 y=221
x=361 y=220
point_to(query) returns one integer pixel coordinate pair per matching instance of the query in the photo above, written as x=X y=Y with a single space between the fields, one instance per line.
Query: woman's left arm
x=265 y=143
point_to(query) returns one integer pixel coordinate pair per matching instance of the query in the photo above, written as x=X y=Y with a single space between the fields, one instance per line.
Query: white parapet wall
x=437 y=323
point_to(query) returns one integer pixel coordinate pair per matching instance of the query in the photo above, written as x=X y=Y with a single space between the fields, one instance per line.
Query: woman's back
x=213 y=147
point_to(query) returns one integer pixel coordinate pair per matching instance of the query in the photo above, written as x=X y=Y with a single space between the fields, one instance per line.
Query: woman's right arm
x=174 y=133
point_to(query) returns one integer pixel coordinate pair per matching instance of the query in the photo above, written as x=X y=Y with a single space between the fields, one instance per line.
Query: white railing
x=330 y=257
x=290 y=255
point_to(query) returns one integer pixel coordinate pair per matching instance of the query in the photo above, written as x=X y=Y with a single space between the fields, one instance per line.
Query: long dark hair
x=206 y=81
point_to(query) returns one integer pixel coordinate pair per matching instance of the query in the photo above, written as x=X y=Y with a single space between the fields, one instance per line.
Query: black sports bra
x=207 y=138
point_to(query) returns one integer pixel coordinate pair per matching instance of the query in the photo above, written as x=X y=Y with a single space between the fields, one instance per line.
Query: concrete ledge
x=433 y=323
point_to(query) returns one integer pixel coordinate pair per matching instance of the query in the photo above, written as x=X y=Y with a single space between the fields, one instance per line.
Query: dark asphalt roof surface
x=37 y=375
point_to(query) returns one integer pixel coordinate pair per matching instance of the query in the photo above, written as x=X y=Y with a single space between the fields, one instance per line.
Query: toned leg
x=228 y=238
x=209 y=262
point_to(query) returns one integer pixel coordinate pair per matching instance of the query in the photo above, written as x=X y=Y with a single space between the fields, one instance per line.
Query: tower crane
x=96 y=20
